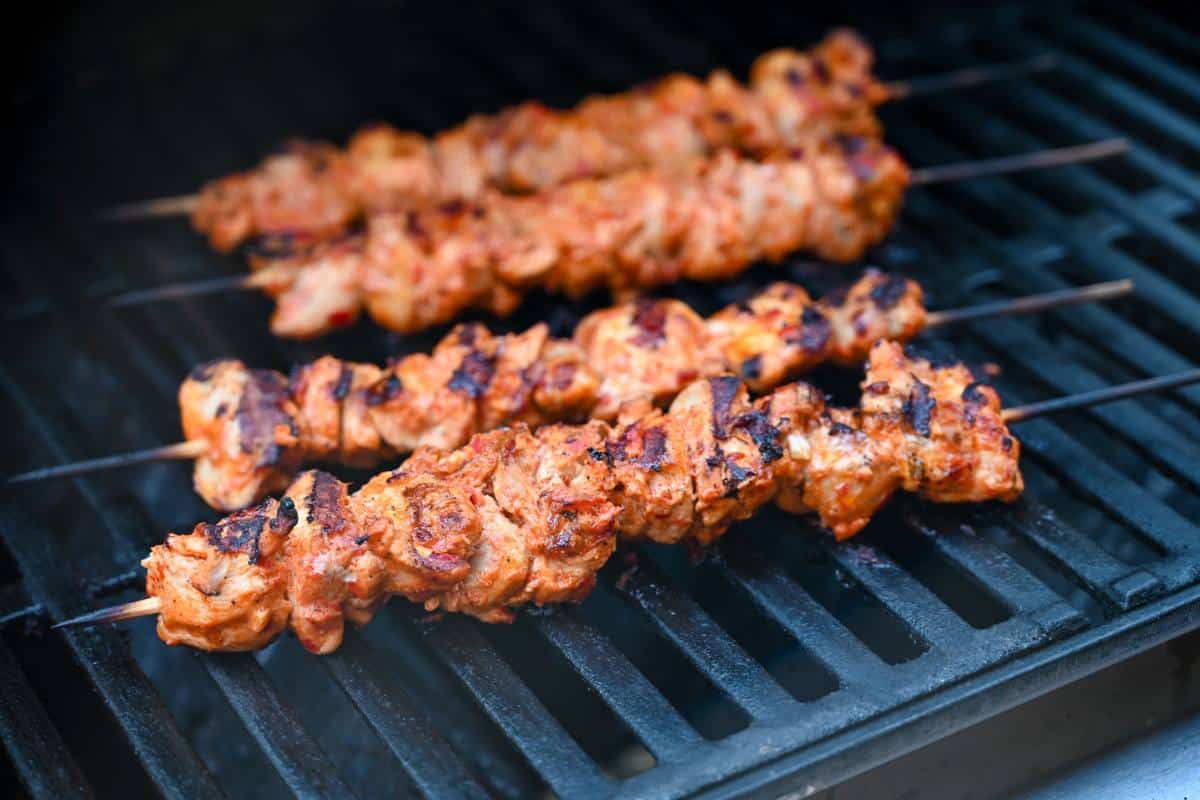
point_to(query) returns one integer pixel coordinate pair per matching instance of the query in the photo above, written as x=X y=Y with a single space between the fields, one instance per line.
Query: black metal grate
x=780 y=661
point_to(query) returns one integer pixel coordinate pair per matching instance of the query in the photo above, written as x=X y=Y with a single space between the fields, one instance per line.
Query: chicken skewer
x=313 y=190
x=250 y=430
x=516 y=517
x=643 y=228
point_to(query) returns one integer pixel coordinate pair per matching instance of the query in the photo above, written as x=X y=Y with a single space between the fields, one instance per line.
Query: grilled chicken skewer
x=517 y=517
x=643 y=228
x=250 y=430
x=314 y=190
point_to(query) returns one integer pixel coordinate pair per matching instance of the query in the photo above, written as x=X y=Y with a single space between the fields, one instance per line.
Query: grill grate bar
x=656 y=723
x=274 y=725
x=1031 y=273
x=34 y=746
x=903 y=595
x=1129 y=419
x=1103 y=261
x=1115 y=91
x=1106 y=486
x=1133 y=54
x=710 y=649
x=1079 y=556
x=995 y=133
x=517 y=711
x=996 y=571
x=427 y=758
x=820 y=633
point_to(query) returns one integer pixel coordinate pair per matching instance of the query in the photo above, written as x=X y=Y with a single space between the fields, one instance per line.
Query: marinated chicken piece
x=314 y=191
x=248 y=421
x=649 y=349
x=517 y=517
x=643 y=228
x=622 y=362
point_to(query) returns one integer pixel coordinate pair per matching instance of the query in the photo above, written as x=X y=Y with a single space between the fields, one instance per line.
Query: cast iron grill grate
x=778 y=662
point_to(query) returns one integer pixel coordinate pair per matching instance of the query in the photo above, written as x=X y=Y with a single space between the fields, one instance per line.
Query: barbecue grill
x=778 y=663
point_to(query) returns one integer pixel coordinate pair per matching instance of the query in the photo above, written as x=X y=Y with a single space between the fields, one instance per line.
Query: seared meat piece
x=313 y=190
x=622 y=362
x=517 y=517
x=248 y=420
x=706 y=220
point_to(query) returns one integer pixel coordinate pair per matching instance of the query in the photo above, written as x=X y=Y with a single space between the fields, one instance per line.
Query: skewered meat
x=623 y=359
x=313 y=190
x=706 y=221
x=517 y=517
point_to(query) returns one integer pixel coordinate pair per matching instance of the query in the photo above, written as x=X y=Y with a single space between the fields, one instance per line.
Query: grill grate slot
x=37 y=751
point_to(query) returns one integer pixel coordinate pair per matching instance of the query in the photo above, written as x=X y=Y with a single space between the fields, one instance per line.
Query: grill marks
x=261 y=408
x=919 y=407
x=650 y=319
x=242 y=532
x=474 y=375
x=324 y=503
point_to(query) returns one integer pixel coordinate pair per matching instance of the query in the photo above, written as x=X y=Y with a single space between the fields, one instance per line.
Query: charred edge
x=423 y=532
x=473 y=375
x=324 y=503
x=342 y=387
x=452 y=208
x=468 y=334
x=205 y=371
x=724 y=388
x=654 y=449
x=764 y=434
x=878 y=387
x=240 y=532
x=260 y=409
x=794 y=77
x=286 y=517
x=973 y=397
x=887 y=294
x=600 y=455
x=650 y=318
x=751 y=368
x=840 y=429
x=814 y=333
x=821 y=70
x=413 y=226
x=919 y=407
x=385 y=390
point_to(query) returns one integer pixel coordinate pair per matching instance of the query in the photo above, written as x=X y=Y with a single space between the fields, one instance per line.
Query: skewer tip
x=179 y=450
x=146 y=607
x=178 y=206
x=1097 y=397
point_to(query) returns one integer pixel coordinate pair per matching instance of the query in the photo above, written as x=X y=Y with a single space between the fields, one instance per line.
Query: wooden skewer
x=178 y=206
x=1099 y=396
x=1025 y=162
x=971 y=76
x=150 y=606
x=181 y=205
x=179 y=450
x=1020 y=305
x=1031 y=304
x=945 y=173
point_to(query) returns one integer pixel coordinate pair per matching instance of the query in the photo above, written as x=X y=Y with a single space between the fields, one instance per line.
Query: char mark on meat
x=919 y=407
x=260 y=410
x=650 y=317
x=724 y=388
x=764 y=434
x=887 y=294
x=473 y=375
x=323 y=506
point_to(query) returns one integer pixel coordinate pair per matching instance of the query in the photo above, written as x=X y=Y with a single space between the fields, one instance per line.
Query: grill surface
x=778 y=662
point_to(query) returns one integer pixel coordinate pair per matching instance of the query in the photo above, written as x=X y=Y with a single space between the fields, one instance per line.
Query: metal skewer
x=150 y=606
x=1021 y=305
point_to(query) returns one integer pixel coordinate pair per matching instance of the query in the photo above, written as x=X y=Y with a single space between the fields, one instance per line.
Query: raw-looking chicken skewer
x=251 y=430
x=517 y=517
x=314 y=190
x=637 y=230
